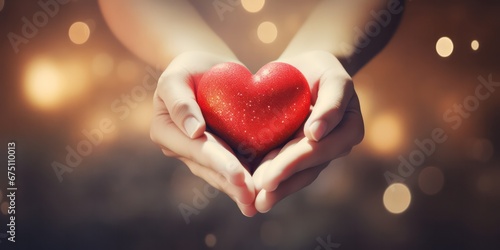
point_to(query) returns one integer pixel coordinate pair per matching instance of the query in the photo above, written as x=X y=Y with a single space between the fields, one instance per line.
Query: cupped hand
x=333 y=128
x=179 y=128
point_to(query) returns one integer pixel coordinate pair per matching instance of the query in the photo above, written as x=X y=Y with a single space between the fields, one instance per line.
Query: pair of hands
x=334 y=126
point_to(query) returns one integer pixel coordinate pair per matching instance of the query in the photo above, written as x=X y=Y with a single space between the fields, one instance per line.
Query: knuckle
x=172 y=76
x=180 y=107
x=336 y=115
x=166 y=80
x=163 y=80
x=335 y=76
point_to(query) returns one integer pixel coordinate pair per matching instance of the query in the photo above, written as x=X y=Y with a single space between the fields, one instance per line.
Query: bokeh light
x=79 y=32
x=271 y=233
x=397 y=198
x=91 y=24
x=210 y=240
x=267 y=32
x=402 y=100
x=431 y=180
x=444 y=46
x=253 y=6
x=44 y=84
x=75 y=80
x=102 y=64
x=385 y=133
x=474 y=45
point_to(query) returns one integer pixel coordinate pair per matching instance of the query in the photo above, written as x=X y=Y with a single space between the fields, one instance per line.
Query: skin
x=190 y=48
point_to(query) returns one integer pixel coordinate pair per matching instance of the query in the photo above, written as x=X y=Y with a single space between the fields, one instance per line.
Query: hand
x=334 y=126
x=179 y=128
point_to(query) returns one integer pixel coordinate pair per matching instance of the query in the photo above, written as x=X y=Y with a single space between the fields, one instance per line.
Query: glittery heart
x=253 y=114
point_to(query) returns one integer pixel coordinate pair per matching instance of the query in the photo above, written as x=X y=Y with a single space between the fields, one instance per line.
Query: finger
x=300 y=154
x=266 y=200
x=219 y=182
x=243 y=195
x=334 y=93
x=176 y=91
x=258 y=174
x=205 y=151
x=247 y=210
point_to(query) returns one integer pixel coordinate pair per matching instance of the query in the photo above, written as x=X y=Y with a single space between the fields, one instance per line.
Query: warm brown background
x=125 y=194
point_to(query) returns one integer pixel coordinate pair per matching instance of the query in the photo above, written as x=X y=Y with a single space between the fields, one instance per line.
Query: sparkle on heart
x=254 y=113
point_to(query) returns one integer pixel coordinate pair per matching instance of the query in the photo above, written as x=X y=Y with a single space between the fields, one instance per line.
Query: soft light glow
x=140 y=117
x=474 y=45
x=44 y=84
x=253 y=6
x=2 y=3
x=431 y=180
x=397 y=198
x=385 y=133
x=267 y=32
x=79 y=32
x=75 y=80
x=444 y=46
x=210 y=240
x=48 y=84
x=102 y=65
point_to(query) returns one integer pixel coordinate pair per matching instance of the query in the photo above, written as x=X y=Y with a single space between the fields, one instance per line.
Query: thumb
x=176 y=91
x=334 y=93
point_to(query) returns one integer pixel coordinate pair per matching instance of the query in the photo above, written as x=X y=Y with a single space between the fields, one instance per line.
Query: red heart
x=254 y=113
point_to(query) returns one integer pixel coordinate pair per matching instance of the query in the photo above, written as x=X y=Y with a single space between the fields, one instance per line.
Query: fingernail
x=265 y=211
x=240 y=206
x=317 y=129
x=246 y=213
x=191 y=125
x=262 y=201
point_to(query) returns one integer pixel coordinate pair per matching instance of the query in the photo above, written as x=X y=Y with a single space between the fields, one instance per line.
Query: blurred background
x=64 y=75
